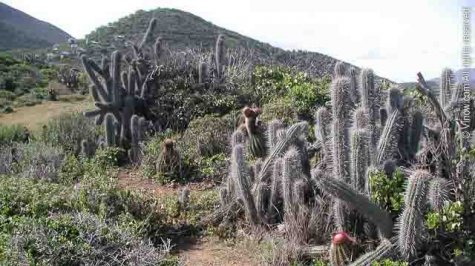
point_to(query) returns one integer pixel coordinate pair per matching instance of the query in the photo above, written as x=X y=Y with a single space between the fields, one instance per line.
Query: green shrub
x=388 y=262
x=77 y=239
x=34 y=160
x=206 y=136
x=214 y=167
x=10 y=134
x=151 y=152
x=109 y=157
x=72 y=170
x=68 y=130
x=388 y=192
x=279 y=109
x=449 y=219
x=303 y=92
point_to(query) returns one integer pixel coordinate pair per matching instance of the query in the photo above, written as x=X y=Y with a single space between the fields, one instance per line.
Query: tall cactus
x=291 y=170
x=369 y=100
x=219 y=56
x=276 y=188
x=273 y=127
x=446 y=82
x=340 y=69
x=239 y=172
x=340 y=127
x=411 y=223
x=359 y=143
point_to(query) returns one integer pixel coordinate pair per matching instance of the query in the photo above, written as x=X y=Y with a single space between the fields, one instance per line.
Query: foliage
x=34 y=160
x=302 y=91
x=53 y=223
x=388 y=192
x=205 y=136
x=152 y=151
x=68 y=130
x=10 y=134
x=72 y=170
x=388 y=262
x=450 y=219
x=280 y=108
x=108 y=157
x=22 y=81
x=213 y=167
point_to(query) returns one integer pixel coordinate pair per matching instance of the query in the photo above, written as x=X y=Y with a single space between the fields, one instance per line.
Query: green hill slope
x=20 y=30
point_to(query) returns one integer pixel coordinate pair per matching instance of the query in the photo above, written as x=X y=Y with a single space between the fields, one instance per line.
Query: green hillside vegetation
x=21 y=31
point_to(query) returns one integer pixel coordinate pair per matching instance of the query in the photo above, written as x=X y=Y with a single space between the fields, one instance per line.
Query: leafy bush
x=35 y=160
x=206 y=136
x=152 y=151
x=449 y=219
x=303 y=92
x=68 y=130
x=10 y=134
x=109 y=157
x=79 y=238
x=388 y=192
x=55 y=224
x=214 y=167
x=281 y=109
x=72 y=170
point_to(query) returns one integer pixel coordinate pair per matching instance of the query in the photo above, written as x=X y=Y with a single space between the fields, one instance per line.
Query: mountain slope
x=20 y=30
x=181 y=29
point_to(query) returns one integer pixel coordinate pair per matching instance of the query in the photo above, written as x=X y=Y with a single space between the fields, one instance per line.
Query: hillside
x=181 y=30
x=20 y=30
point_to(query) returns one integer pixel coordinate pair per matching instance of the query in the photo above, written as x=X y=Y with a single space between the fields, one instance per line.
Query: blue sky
x=395 y=38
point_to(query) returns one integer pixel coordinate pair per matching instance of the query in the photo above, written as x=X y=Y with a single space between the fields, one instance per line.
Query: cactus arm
x=411 y=222
x=385 y=249
x=151 y=27
x=343 y=191
x=240 y=175
x=424 y=89
x=292 y=133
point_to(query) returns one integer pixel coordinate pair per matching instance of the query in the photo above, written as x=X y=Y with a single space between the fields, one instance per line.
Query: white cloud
x=397 y=39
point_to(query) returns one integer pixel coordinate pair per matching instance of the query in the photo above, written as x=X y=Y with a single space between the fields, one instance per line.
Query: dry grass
x=34 y=117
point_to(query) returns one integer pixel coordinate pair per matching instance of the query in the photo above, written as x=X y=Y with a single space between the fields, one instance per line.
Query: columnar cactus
x=219 y=56
x=439 y=189
x=272 y=130
x=240 y=174
x=370 y=101
x=359 y=143
x=446 y=82
x=340 y=69
x=291 y=170
x=340 y=127
x=411 y=223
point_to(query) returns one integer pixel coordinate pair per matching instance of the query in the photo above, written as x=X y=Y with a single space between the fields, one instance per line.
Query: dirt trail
x=192 y=251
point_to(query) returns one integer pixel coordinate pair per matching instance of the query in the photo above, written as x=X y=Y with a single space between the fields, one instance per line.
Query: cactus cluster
x=124 y=90
x=121 y=97
x=358 y=134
